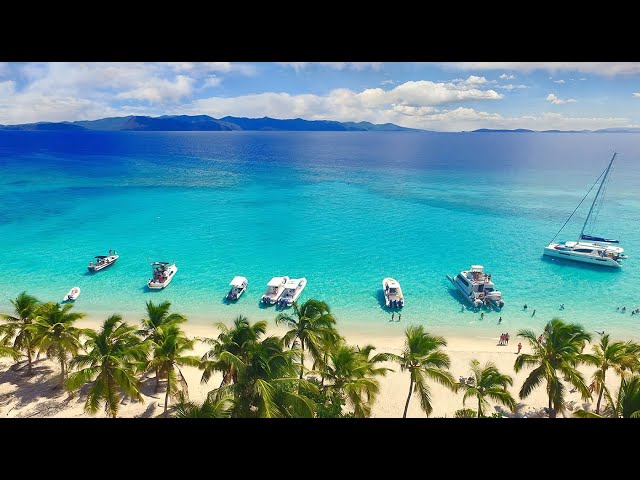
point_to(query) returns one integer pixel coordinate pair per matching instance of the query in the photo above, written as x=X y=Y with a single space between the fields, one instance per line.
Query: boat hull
x=235 y=293
x=473 y=303
x=72 y=295
x=288 y=301
x=110 y=261
x=171 y=271
x=551 y=251
x=395 y=300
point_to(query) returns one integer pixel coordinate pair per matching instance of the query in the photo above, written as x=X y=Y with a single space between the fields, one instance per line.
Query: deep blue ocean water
x=343 y=209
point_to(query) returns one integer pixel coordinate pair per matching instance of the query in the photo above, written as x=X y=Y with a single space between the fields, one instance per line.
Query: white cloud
x=509 y=86
x=211 y=67
x=212 y=81
x=7 y=88
x=160 y=90
x=357 y=66
x=474 y=80
x=636 y=94
x=504 y=76
x=559 y=81
x=553 y=98
x=609 y=69
x=388 y=82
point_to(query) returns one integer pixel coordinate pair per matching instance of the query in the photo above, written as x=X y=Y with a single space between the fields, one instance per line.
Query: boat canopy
x=293 y=283
x=275 y=282
x=160 y=263
x=101 y=256
x=477 y=268
x=238 y=281
x=598 y=239
x=393 y=284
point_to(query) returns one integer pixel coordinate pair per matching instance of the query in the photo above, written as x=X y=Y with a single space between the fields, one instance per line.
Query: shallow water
x=343 y=209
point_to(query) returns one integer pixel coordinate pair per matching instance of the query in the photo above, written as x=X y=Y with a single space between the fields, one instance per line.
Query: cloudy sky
x=434 y=96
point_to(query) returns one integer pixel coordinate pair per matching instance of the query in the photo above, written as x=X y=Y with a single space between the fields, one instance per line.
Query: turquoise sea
x=343 y=209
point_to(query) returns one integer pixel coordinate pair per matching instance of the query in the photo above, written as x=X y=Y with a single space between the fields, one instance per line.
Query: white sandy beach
x=34 y=396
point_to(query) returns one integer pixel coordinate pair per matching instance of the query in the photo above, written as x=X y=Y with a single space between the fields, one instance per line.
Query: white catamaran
x=589 y=248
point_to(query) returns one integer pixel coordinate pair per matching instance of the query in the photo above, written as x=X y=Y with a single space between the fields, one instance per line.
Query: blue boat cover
x=598 y=239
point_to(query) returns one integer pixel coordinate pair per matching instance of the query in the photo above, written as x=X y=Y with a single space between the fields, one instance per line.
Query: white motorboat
x=163 y=273
x=476 y=287
x=72 y=294
x=392 y=293
x=103 y=261
x=238 y=286
x=589 y=248
x=292 y=290
x=275 y=287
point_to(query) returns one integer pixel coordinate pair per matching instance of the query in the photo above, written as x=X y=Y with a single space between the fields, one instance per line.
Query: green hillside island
x=206 y=123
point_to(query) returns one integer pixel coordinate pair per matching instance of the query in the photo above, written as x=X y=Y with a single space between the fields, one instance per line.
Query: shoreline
x=33 y=396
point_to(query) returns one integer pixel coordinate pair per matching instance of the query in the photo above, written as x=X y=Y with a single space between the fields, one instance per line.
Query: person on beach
x=501 y=341
x=393 y=316
x=481 y=315
x=506 y=338
x=499 y=320
x=399 y=316
x=519 y=347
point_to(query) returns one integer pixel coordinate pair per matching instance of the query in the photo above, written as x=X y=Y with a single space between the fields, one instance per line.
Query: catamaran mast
x=595 y=199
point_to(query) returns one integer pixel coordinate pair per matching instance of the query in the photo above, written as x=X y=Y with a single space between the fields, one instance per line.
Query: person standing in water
x=393 y=316
x=399 y=316
x=534 y=313
x=499 y=320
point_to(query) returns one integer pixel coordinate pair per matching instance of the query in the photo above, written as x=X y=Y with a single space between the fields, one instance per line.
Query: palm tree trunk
x=28 y=357
x=166 y=396
x=61 y=372
x=552 y=412
x=604 y=374
x=479 y=407
x=157 y=387
x=322 y=376
x=406 y=406
x=302 y=361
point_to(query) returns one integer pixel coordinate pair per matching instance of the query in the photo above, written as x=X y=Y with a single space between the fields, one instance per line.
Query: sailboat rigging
x=589 y=248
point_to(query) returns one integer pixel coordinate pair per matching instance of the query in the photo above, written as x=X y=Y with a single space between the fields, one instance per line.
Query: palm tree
x=213 y=407
x=114 y=354
x=24 y=311
x=6 y=351
x=313 y=325
x=561 y=352
x=169 y=354
x=618 y=355
x=424 y=360
x=54 y=333
x=158 y=316
x=266 y=384
x=233 y=340
x=352 y=374
x=626 y=405
x=489 y=382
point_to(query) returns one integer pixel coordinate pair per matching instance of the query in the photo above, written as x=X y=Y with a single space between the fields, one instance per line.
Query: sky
x=453 y=96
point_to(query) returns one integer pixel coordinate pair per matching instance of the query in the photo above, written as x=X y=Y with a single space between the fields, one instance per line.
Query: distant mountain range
x=207 y=123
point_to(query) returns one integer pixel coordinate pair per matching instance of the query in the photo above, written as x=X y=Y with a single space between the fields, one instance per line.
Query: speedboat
x=238 y=286
x=476 y=287
x=275 y=287
x=72 y=294
x=595 y=250
x=163 y=273
x=392 y=293
x=103 y=261
x=292 y=290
